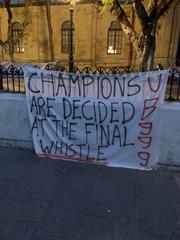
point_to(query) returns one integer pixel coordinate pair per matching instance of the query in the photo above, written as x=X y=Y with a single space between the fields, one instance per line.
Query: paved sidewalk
x=47 y=199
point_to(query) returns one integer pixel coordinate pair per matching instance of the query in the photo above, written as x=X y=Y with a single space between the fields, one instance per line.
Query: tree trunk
x=150 y=63
x=145 y=55
x=48 y=14
x=147 y=58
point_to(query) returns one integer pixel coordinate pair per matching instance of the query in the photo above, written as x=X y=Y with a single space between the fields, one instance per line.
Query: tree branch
x=7 y=5
x=25 y=22
x=9 y=33
x=142 y=14
x=2 y=43
x=119 y=12
x=134 y=37
x=151 y=5
x=152 y=10
x=163 y=6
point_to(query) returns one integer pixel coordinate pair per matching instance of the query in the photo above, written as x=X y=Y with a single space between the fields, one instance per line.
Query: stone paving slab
x=49 y=199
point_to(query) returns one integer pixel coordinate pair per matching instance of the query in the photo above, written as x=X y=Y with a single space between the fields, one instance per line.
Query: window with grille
x=17 y=34
x=114 y=43
x=65 y=37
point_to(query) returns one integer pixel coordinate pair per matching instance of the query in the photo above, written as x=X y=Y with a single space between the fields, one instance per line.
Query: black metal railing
x=12 y=77
x=89 y=70
x=173 y=85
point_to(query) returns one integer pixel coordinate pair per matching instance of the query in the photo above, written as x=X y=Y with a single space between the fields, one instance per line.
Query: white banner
x=104 y=119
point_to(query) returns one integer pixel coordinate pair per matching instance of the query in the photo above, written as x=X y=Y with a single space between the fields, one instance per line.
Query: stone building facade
x=97 y=39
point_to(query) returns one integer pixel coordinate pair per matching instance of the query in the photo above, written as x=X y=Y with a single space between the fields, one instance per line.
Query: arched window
x=114 y=43
x=17 y=34
x=65 y=36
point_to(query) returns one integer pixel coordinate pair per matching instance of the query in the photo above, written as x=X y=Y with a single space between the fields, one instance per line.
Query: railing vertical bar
x=1 y=78
x=171 y=78
x=13 y=81
x=18 y=83
x=7 y=77
x=178 y=88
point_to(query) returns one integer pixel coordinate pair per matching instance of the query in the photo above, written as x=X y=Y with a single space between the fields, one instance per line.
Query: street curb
x=174 y=168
